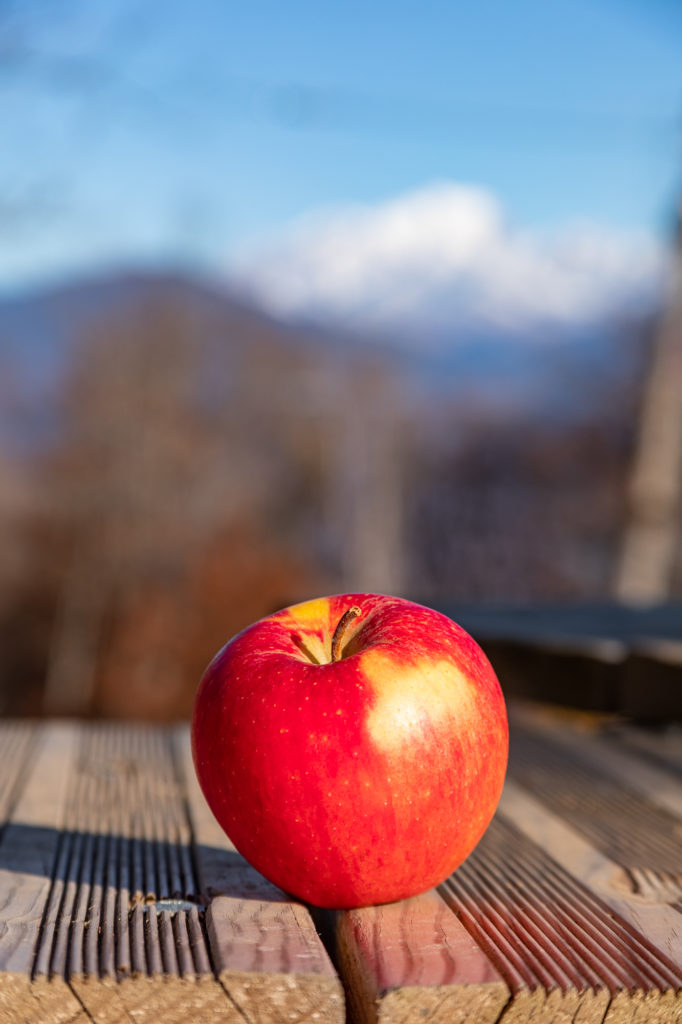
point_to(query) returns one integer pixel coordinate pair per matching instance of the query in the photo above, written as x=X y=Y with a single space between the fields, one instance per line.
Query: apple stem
x=340 y=631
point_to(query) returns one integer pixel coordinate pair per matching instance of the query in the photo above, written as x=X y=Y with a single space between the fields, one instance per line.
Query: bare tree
x=138 y=482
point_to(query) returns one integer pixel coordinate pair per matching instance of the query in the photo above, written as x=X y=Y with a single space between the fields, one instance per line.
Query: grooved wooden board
x=414 y=960
x=570 y=901
x=119 y=904
x=121 y=900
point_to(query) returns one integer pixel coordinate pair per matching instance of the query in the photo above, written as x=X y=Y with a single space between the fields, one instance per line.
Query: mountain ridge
x=40 y=327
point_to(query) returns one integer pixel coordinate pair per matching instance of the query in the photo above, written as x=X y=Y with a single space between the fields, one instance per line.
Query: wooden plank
x=651 y=688
x=127 y=935
x=569 y=773
x=264 y=946
x=662 y=746
x=573 y=621
x=414 y=961
x=117 y=933
x=561 y=949
x=16 y=745
x=28 y=852
x=585 y=671
x=653 y=929
x=602 y=750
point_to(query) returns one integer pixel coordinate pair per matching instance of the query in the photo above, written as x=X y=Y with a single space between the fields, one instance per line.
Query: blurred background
x=298 y=299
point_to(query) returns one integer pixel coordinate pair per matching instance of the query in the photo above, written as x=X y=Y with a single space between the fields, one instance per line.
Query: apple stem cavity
x=341 y=630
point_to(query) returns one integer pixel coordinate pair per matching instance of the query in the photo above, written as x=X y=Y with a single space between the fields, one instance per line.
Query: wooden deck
x=603 y=657
x=122 y=901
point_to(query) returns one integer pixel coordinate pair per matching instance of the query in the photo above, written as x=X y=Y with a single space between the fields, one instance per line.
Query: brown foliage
x=164 y=633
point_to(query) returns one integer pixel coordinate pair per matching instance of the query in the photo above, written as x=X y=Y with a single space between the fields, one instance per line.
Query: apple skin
x=361 y=781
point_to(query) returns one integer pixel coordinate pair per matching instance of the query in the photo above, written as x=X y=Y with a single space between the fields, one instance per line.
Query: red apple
x=352 y=747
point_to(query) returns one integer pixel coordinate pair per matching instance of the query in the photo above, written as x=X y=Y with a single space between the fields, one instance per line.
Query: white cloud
x=444 y=257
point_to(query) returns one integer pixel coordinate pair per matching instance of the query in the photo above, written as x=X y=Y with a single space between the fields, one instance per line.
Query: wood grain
x=601 y=752
x=101 y=907
x=17 y=741
x=414 y=960
x=661 y=746
x=655 y=925
x=554 y=940
x=28 y=851
x=626 y=809
x=264 y=946
x=129 y=937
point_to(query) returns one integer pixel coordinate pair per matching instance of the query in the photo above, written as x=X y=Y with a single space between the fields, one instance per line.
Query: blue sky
x=153 y=132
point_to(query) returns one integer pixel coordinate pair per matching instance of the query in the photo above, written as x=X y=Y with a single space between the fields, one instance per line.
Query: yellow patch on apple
x=312 y=618
x=406 y=697
x=311 y=614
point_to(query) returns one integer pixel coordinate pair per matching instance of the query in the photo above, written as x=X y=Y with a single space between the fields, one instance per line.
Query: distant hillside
x=562 y=375
x=38 y=328
x=43 y=330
